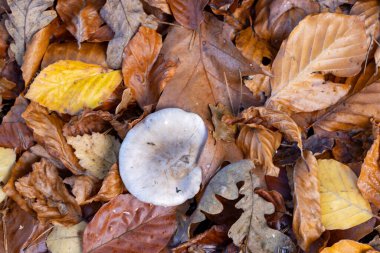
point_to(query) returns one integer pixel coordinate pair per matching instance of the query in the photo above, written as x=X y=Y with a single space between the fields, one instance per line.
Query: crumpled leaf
x=96 y=152
x=222 y=130
x=66 y=239
x=7 y=160
x=47 y=131
x=136 y=226
x=82 y=187
x=82 y=18
x=124 y=18
x=139 y=56
x=188 y=13
x=41 y=152
x=47 y=195
x=260 y=144
x=84 y=85
x=307 y=220
x=13 y=131
x=342 y=205
x=349 y=246
x=369 y=179
x=92 y=53
x=298 y=83
x=160 y=4
x=28 y=16
x=126 y=100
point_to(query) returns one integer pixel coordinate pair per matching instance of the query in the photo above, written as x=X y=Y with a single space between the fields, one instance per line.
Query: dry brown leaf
x=35 y=50
x=349 y=246
x=4 y=36
x=188 y=13
x=28 y=16
x=139 y=56
x=259 y=145
x=81 y=17
x=47 y=195
x=13 y=131
x=92 y=53
x=126 y=100
x=83 y=187
x=41 y=152
x=241 y=15
x=377 y=57
x=274 y=220
x=160 y=4
x=47 y=131
x=259 y=85
x=307 y=221
x=222 y=130
x=298 y=84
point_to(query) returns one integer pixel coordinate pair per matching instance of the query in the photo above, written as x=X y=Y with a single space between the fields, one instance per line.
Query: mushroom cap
x=158 y=157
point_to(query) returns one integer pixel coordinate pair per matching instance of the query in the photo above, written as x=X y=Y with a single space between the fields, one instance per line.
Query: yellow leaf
x=7 y=160
x=342 y=205
x=348 y=246
x=70 y=86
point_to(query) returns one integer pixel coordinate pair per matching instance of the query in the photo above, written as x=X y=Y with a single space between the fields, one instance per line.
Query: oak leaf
x=298 y=78
x=349 y=246
x=307 y=221
x=138 y=226
x=188 y=13
x=96 y=152
x=28 y=16
x=342 y=205
x=66 y=239
x=47 y=131
x=124 y=18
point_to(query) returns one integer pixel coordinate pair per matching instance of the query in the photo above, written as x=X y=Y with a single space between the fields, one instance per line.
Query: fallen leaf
x=377 y=57
x=223 y=131
x=47 y=195
x=260 y=145
x=307 y=220
x=160 y=4
x=66 y=239
x=13 y=131
x=82 y=187
x=342 y=205
x=41 y=152
x=96 y=152
x=139 y=56
x=35 y=50
x=28 y=16
x=259 y=85
x=126 y=100
x=82 y=18
x=124 y=18
x=298 y=83
x=137 y=226
x=7 y=160
x=85 y=86
x=3 y=39
x=241 y=15
x=188 y=13
x=334 y=5
x=274 y=197
x=92 y=53
x=47 y=131
x=349 y=247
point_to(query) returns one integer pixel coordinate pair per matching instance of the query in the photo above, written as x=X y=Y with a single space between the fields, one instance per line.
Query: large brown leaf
x=81 y=17
x=307 y=221
x=127 y=225
x=298 y=83
x=188 y=13
x=139 y=57
x=47 y=131
x=13 y=131
x=46 y=194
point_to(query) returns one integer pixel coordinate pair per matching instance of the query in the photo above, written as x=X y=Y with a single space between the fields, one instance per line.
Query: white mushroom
x=158 y=157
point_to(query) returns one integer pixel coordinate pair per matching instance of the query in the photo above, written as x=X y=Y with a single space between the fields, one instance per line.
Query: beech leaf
x=342 y=205
x=349 y=246
x=136 y=226
x=28 y=16
x=298 y=83
x=189 y=13
x=84 y=85
x=66 y=239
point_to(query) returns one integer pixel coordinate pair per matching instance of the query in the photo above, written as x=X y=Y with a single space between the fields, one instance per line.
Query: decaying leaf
x=96 y=152
x=66 y=239
x=342 y=205
x=82 y=187
x=124 y=17
x=47 y=195
x=28 y=16
x=136 y=226
x=47 y=131
x=81 y=17
x=126 y=100
x=222 y=130
x=160 y=4
x=298 y=83
x=377 y=57
x=7 y=160
x=188 y=13
x=307 y=221
x=139 y=56
x=84 y=85
x=260 y=144
x=349 y=246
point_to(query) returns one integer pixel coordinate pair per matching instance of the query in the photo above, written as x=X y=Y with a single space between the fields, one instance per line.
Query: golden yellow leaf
x=348 y=246
x=342 y=205
x=70 y=86
x=321 y=44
